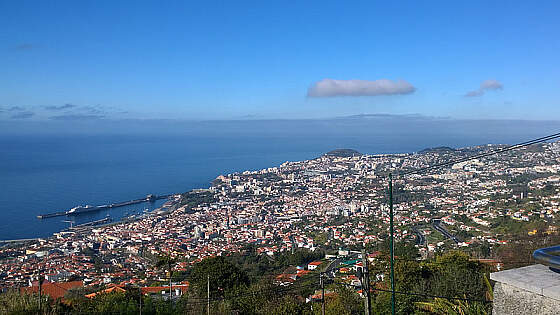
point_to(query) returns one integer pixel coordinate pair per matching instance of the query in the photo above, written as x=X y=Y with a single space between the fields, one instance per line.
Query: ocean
x=49 y=172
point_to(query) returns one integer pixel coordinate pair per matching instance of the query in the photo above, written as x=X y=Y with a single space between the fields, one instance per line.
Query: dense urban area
x=268 y=241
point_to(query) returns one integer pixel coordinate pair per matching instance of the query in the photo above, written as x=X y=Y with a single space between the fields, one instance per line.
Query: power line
x=272 y=290
x=481 y=155
x=428 y=295
x=439 y=165
x=473 y=260
x=267 y=290
x=435 y=296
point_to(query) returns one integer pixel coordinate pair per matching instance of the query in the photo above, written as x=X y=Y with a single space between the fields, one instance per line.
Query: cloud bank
x=330 y=88
x=77 y=117
x=65 y=111
x=488 y=85
x=61 y=107
x=22 y=115
x=78 y=112
x=16 y=112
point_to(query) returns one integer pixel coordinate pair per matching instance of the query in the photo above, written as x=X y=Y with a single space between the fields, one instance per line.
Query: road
x=330 y=269
x=436 y=223
x=420 y=238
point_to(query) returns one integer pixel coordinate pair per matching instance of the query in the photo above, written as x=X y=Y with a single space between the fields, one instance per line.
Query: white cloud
x=330 y=87
x=487 y=85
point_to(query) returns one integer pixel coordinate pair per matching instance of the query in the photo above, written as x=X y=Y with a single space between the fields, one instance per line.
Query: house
x=178 y=290
x=371 y=257
x=284 y=279
x=317 y=296
x=313 y=265
x=52 y=289
x=302 y=273
x=59 y=276
x=114 y=289
x=354 y=281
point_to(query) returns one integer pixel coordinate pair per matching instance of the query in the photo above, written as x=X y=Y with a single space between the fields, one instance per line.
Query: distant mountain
x=343 y=153
x=438 y=150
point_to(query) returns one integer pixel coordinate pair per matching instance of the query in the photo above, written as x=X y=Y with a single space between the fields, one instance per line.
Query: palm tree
x=459 y=307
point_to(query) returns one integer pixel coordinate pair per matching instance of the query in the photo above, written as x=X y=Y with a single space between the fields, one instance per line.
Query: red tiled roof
x=109 y=290
x=327 y=294
x=183 y=287
x=53 y=289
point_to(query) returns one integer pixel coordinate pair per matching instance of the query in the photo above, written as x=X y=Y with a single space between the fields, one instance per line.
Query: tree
x=14 y=302
x=459 y=307
x=456 y=275
x=452 y=274
x=453 y=307
x=403 y=249
x=253 y=299
x=344 y=302
x=223 y=276
x=287 y=305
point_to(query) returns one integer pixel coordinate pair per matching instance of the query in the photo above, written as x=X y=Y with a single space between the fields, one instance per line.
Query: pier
x=51 y=215
x=89 y=224
x=22 y=240
x=79 y=210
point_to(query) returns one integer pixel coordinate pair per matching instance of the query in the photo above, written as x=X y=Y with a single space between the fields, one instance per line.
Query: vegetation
x=451 y=275
x=239 y=284
x=343 y=153
x=12 y=302
x=519 y=251
x=261 y=265
x=194 y=198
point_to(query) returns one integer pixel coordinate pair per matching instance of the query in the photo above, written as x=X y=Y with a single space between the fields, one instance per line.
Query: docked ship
x=87 y=208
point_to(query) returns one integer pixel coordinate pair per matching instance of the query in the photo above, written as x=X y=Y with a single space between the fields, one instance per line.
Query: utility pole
x=208 y=307
x=365 y=283
x=140 y=291
x=170 y=287
x=322 y=294
x=392 y=245
x=40 y=281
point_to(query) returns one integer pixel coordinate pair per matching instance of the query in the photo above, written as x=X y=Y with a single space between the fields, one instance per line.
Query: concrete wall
x=532 y=290
x=512 y=300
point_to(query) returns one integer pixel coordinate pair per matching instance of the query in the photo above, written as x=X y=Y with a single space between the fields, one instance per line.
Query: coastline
x=171 y=199
x=341 y=153
x=260 y=168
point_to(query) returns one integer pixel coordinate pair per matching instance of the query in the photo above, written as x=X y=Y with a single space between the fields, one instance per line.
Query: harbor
x=87 y=209
x=90 y=224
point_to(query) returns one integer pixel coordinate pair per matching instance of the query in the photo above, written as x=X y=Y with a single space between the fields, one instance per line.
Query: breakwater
x=84 y=209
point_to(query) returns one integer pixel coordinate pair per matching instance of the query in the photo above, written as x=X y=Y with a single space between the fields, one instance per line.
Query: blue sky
x=73 y=60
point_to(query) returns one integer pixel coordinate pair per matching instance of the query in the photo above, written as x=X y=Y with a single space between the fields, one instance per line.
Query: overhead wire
x=427 y=295
x=418 y=171
x=481 y=155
